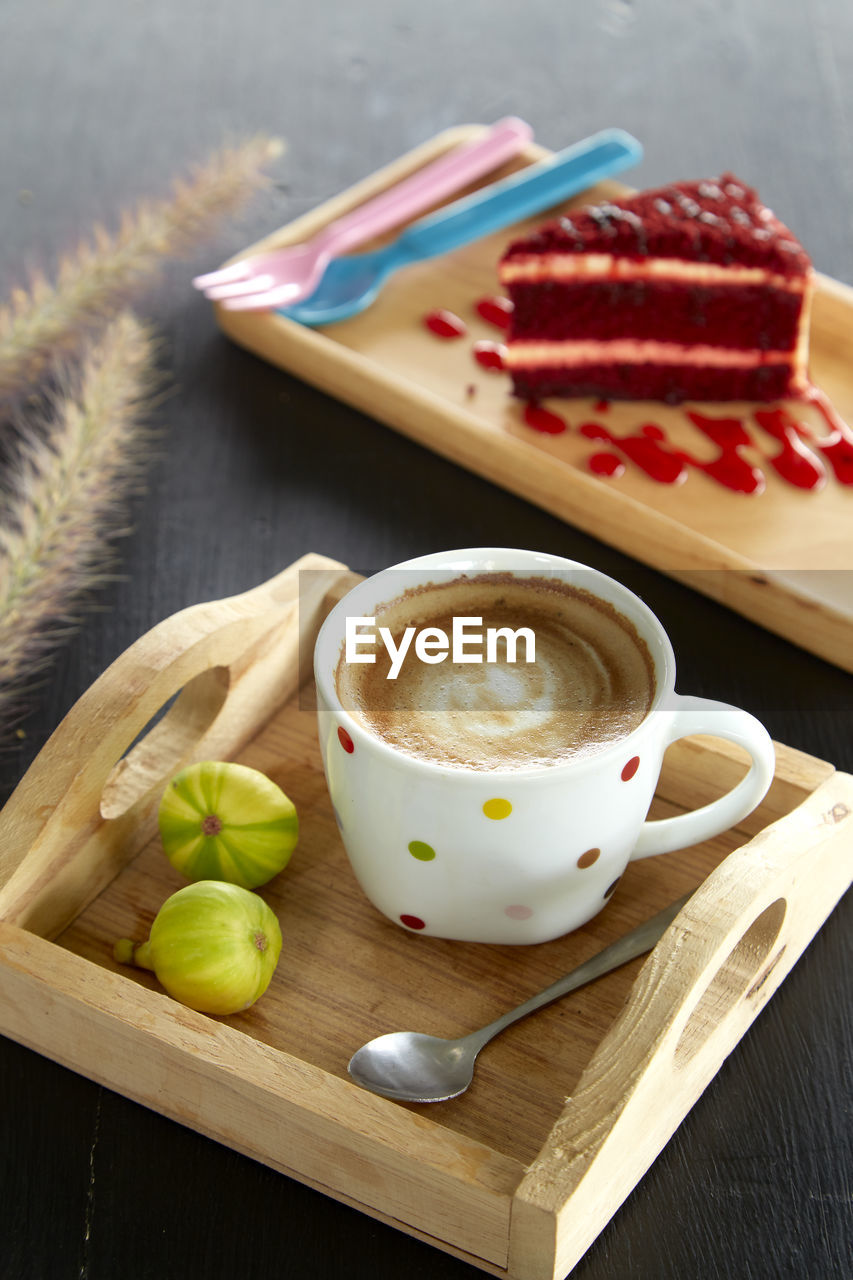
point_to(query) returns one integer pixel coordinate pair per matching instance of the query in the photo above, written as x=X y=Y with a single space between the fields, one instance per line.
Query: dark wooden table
x=101 y=104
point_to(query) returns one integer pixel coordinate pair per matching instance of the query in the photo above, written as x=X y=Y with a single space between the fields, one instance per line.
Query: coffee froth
x=591 y=683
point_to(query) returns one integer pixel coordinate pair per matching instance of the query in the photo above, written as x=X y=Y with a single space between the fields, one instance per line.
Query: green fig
x=213 y=946
x=225 y=821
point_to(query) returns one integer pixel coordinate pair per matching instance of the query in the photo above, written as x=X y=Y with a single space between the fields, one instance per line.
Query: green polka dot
x=423 y=852
x=497 y=809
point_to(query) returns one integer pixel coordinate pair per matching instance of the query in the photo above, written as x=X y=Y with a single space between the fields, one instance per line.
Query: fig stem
x=127 y=952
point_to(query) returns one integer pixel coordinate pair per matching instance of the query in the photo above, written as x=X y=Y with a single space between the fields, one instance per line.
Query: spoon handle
x=633 y=944
x=522 y=194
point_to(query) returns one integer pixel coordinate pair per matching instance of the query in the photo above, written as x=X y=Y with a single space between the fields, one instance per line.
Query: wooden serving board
x=783 y=557
x=510 y=1176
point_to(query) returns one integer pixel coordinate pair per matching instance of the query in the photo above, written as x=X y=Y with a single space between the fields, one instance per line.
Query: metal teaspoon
x=410 y=1067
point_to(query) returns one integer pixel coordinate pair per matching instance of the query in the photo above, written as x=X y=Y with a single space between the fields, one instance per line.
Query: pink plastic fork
x=294 y=272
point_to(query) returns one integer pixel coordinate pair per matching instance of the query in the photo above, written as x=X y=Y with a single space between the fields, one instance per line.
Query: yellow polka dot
x=497 y=809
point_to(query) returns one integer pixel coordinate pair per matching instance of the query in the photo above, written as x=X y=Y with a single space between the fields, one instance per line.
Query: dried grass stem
x=66 y=496
x=92 y=282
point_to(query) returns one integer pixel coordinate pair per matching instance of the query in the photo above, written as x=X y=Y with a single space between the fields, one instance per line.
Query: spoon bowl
x=348 y=287
x=409 y=1066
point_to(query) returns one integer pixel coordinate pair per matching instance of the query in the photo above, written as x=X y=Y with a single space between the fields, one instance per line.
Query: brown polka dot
x=588 y=858
x=608 y=892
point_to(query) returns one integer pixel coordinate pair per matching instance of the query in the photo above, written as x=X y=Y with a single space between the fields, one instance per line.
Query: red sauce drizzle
x=496 y=310
x=490 y=355
x=606 y=464
x=837 y=447
x=649 y=449
x=550 y=424
x=794 y=462
x=839 y=455
x=645 y=449
x=444 y=324
x=728 y=468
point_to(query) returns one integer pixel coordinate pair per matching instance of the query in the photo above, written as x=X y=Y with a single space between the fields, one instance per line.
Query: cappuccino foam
x=592 y=681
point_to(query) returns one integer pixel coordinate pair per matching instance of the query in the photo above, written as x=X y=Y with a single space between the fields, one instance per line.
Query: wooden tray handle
x=87 y=804
x=714 y=969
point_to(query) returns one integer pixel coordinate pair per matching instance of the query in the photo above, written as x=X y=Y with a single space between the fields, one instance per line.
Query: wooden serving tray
x=782 y=558
x=512 y=1176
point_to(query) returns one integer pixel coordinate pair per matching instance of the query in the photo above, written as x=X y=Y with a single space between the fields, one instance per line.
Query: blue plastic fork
x=350 y=284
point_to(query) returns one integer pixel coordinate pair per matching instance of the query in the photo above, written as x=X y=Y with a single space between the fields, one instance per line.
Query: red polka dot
x=412 y=922
x=630 y=768
x=345 y=740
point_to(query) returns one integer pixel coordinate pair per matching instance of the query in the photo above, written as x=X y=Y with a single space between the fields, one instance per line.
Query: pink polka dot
x=412 y=922
x=518 y=912
x=345 y=740
x=630 y=768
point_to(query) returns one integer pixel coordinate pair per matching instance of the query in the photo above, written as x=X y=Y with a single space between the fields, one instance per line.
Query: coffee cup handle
x=718 y=720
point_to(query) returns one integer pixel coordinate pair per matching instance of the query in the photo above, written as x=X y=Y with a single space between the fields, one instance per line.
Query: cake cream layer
x=526 y=354
x=543 y=267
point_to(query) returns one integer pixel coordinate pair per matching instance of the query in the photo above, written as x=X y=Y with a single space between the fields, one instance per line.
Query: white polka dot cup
x=514 y=855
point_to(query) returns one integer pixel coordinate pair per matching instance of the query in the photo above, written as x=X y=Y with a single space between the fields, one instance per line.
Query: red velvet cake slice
x=694 y=291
